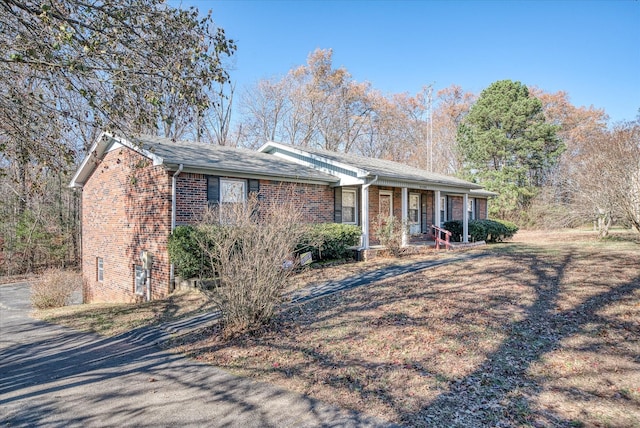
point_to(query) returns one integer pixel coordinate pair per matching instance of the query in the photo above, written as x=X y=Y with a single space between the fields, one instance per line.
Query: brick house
x=135 y=191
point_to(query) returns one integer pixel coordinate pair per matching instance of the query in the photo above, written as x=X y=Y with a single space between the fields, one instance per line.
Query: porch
x=418 y=207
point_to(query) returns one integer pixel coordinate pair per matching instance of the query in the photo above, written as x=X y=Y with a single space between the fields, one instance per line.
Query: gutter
x=173 y=217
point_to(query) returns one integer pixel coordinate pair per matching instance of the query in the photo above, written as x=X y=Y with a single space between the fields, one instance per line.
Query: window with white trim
x=100 y=269
x=443 y=209
x=232 y=191
x=470 y=208
x=349 y=206
x=414 y=208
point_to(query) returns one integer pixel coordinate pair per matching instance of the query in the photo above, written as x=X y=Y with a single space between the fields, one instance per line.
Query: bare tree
x=250 y=246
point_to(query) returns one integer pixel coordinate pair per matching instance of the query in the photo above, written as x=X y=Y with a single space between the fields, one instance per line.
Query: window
x=414 y=208
x=349 y=213
x=232 y=191
x=470 y=209
x=443 y=209
x=99 y=269
x=229 y=190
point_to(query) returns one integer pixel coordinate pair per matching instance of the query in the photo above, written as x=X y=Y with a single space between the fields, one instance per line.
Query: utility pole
x=430 y=124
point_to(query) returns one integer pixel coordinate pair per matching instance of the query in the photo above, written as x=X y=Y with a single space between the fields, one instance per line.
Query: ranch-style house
x=135 y=191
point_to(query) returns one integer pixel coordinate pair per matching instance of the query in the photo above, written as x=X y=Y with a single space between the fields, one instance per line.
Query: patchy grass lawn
x=545 y=331
x=110 y=319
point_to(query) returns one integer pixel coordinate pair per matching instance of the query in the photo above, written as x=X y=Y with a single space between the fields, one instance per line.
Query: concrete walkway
x=54 y=376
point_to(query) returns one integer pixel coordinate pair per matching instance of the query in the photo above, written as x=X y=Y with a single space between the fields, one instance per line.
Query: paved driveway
x=54 y=376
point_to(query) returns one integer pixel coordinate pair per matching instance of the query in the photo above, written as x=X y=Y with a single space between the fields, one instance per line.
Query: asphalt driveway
x=54 y=376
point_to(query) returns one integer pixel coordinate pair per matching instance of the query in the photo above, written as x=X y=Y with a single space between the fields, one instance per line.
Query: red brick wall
x=457 y=203
x=482 y=208
x=191 y=197
x=315 y=201
x=126 y=207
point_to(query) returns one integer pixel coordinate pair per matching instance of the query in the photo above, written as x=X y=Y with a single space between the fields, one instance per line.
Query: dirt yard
x=544 y=331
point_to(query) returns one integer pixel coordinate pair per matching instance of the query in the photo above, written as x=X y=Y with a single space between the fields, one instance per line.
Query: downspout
x=365 y=213
x=173 y=219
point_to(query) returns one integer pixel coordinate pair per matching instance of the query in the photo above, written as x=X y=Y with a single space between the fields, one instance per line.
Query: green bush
x=186 y=253
x=482 y=230
x=455 y=227
x=329 y=241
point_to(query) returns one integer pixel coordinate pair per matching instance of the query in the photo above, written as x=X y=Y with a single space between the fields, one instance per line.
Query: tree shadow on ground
x=499 y=390
x=50 y=375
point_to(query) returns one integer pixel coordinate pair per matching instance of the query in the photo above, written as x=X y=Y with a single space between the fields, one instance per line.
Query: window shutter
x=254 y=186
x=449 y=208
x=337 y=205
x=213 y=189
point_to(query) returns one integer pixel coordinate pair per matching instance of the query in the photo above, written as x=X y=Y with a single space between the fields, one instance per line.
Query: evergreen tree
x=507 y=145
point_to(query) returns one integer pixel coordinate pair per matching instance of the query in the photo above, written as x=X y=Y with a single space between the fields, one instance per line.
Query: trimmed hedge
x=482 y=230
x=326 y=241
x=330 y=241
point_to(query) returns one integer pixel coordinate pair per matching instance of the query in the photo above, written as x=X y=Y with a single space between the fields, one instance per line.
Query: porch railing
x=443 y=237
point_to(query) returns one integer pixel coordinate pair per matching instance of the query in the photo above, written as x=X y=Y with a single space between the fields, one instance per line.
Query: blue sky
x=591 y=49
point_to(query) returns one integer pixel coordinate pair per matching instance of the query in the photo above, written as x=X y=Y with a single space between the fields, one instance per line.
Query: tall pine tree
x=507 y=145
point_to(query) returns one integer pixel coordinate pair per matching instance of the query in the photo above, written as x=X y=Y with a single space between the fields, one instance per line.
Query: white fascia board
x=448 y=189
x=104 y=144
x=96 y=151
x=346 y=180
x=360 y=173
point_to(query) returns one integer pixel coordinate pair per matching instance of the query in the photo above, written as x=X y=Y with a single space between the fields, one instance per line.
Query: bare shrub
x=250 y=247
x=54 y=288
x=389 y=230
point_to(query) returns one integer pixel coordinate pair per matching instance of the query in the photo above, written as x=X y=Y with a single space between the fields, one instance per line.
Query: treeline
x=65 y=80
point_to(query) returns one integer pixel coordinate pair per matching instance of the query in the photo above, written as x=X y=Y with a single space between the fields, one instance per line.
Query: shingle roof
x=213 y=157
x=389 y=169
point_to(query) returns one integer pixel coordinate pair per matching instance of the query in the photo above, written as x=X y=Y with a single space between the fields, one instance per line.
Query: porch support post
x=437 y=209
x=465 y=218
x=405 y=215
x=364 y=203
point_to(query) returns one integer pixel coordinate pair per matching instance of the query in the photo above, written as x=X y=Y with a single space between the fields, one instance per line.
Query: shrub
x=329 y=241
x=54 y=288
x=455 y=227
x=249 y=246
x=388 y=230
x=185 y=252
x=482 y=230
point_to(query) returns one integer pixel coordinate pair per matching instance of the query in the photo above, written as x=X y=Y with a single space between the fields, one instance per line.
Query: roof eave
x=196 y=169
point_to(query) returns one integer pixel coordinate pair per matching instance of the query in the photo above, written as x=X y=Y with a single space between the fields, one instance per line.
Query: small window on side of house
x=100 y=269
x=443 y=209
